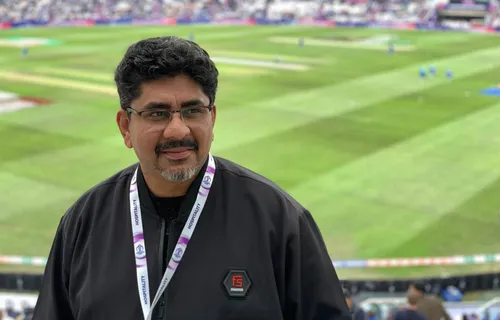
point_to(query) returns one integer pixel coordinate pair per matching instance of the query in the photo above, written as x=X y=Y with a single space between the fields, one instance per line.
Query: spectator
x=28 y=310
x=430 y=306
x=56 y=11
x=9 y=310
x=410 y=312
x=356 y=311
x=394 y=310
x=371 y=315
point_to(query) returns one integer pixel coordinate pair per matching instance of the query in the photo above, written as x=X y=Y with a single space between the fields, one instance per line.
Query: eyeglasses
x=161 y=117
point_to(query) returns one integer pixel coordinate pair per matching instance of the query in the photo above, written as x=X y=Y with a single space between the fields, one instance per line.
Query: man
x=410 y=312
x=356 y=311
x=422 y=72
x=209 y=238
x=431 y=307
x=432 y=70
x=390 y=48
x=10 y=311
x=449 y=74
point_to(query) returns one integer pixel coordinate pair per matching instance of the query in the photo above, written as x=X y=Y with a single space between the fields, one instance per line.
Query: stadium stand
x=352 y=11
x=67 y=10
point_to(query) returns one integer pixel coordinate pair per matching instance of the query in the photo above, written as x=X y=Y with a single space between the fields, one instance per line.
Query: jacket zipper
x=161 y=304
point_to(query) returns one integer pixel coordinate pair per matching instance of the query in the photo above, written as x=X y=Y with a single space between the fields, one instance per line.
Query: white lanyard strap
x=139 y=242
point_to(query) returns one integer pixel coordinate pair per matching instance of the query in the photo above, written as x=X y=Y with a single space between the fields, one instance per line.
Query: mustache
x=187 y=143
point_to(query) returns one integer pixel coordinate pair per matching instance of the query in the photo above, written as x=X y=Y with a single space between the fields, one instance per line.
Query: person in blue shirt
x=432 y=70
x=9 y=310
x=357 y=312
x=410 y=312
x=423 y=72
x=390 y=49
x=449 y=74
x=24 y=51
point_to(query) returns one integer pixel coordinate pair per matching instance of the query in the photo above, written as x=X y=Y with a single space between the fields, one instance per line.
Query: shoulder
x=408 y=314
x=418 y=315
x=257 y=187
x=398 y=314
x=432 y=300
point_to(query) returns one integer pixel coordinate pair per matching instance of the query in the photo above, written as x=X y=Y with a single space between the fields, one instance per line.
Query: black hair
x=161 y=57
x=419 y=286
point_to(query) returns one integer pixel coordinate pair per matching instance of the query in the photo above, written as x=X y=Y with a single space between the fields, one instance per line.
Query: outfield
x=390 y=165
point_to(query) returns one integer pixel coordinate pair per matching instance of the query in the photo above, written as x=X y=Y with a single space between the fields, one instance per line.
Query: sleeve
x=313 y=288
x=53 y=302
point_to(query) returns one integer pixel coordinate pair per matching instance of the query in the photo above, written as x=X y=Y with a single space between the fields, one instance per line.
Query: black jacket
x=248 y=224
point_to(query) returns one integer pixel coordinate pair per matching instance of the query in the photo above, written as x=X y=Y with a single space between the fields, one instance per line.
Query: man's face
x=174 y=149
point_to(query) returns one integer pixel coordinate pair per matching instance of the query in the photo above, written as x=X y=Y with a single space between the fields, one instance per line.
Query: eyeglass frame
x=130 y=110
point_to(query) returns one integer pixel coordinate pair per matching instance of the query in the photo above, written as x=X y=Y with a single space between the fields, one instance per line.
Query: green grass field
x=390 y=165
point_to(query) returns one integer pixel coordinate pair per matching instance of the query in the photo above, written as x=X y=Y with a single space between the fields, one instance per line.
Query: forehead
x=172 y=91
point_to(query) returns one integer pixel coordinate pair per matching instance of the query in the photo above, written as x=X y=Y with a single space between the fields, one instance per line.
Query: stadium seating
x=67 y=10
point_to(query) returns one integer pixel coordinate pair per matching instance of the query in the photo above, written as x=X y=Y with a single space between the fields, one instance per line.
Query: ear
x=214 y=114
x=124 y=125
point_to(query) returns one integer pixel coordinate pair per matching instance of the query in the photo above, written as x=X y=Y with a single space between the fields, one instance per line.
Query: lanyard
x=139 y=242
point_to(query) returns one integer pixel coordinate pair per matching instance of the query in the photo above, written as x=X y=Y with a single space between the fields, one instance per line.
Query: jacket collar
x=189 y=199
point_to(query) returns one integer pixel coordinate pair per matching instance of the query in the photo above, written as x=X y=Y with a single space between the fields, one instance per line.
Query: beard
x=178 y=175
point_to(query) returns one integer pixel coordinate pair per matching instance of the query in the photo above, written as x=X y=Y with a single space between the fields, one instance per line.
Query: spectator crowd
x=419 y=305
x=54 y=11
x=11 y=313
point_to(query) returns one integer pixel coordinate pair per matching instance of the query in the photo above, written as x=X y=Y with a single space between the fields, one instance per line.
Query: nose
x=176 y=129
